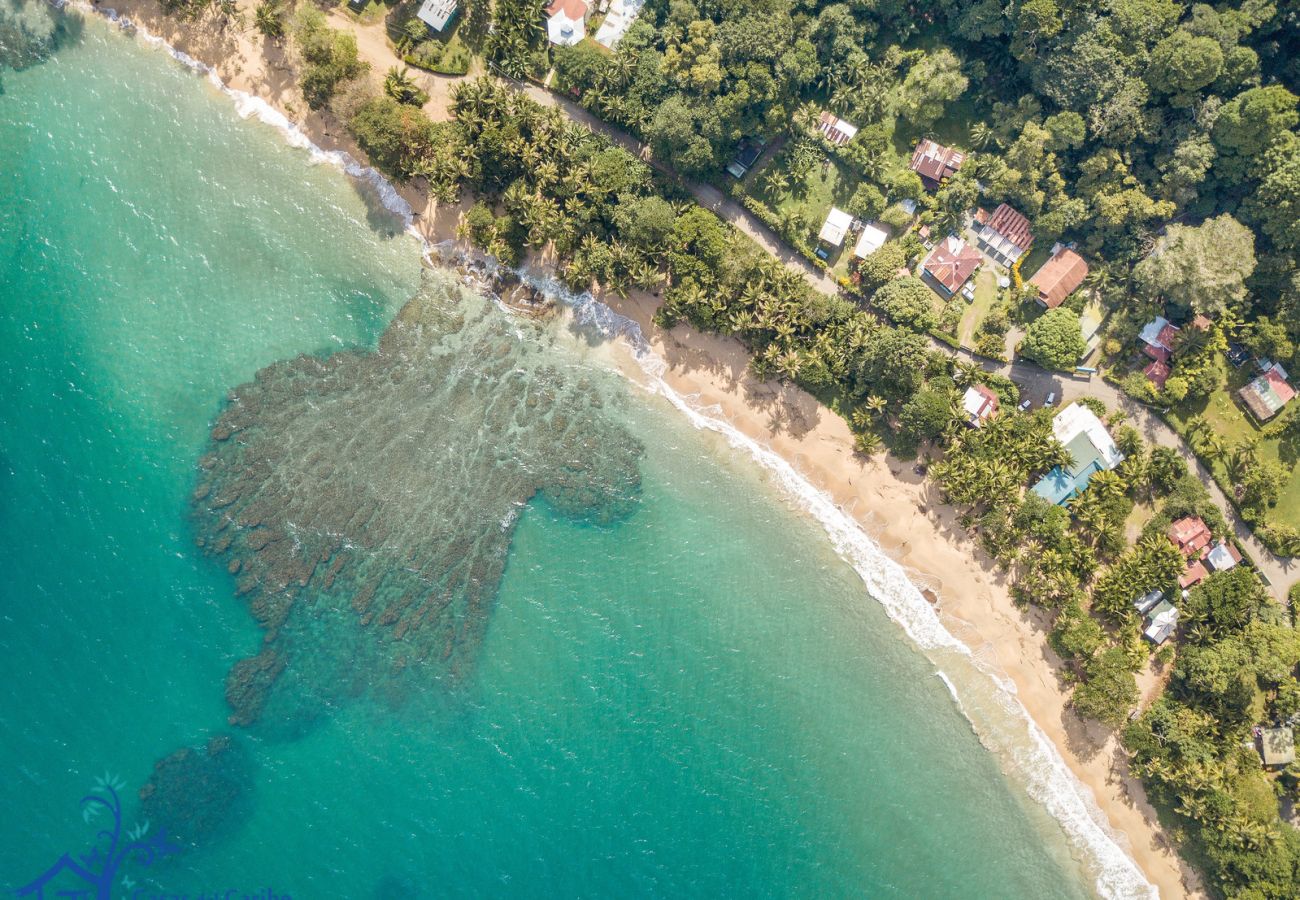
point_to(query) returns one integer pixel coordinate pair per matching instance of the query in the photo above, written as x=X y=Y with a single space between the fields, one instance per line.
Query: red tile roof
x=1190 y=534
x=951 y=263
x=574 y=9
x=935 y=162
x=1195 y=574
x=1060 y=277
x=1284 y=391
x=1157 y=373
x=1159 y=354
x=1012 y=225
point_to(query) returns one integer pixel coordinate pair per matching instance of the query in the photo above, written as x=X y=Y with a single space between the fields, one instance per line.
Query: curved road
x=1035 y=382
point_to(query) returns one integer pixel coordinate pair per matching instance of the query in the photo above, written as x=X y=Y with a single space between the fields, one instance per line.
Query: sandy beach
x=896 y=506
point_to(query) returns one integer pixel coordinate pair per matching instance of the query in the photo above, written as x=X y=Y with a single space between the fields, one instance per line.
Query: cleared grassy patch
x=986 y=294
x=1224 y=417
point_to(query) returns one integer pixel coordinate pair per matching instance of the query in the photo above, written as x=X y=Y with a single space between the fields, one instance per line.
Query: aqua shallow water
x=698 y=699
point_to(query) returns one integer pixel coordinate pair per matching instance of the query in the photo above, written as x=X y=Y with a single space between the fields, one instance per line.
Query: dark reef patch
x=197 y=797
x=365 y=502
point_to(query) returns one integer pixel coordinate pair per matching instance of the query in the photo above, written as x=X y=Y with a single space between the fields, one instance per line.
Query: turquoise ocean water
x=696 y=700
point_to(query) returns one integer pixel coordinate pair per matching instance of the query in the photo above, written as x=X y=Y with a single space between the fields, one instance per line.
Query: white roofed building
x=980 y=404
x=873 y=237
x=835 y=227
x=566 y=22
x=436 y=13
x=619 y=18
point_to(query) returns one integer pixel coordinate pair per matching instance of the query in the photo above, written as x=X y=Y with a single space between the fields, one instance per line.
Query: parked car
x=1051 y=399
x=1024 y=405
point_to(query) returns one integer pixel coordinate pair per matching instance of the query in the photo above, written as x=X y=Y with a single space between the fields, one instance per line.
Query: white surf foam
x=251 y=107
x=1048 y=779
x=1046 y=776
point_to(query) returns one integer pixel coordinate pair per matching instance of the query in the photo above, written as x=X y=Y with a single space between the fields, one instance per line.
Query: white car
x=1024 y=405
x=1051 y=399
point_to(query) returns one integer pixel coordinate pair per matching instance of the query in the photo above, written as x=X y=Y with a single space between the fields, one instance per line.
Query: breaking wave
x=1035 y=760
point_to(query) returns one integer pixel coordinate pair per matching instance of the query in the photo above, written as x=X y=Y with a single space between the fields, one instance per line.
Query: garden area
x=444 y=53
x=1242 y=454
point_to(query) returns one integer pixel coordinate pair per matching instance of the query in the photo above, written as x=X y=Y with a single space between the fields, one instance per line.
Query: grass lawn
x=986 y=294
x=827 y=184
x=1038 y=254
x=1226 y=418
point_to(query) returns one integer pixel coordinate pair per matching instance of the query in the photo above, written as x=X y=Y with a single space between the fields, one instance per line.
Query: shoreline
x=897 y=509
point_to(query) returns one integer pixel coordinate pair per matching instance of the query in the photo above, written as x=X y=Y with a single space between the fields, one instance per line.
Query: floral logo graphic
x=96 y=870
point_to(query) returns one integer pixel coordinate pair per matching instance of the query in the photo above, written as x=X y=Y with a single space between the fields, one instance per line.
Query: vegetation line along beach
x=972 y=214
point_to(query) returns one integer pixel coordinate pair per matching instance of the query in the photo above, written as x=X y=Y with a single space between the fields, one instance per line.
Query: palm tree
x=776 y=183
x=981 y=135
x=964 y=372
x=875 y=404
x=399 y=86
x=867 y=442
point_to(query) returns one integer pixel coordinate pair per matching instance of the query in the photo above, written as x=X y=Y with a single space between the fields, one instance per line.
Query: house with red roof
x=1157 y=338
x=1157 y=373
x=1005 y=235
x=935 y=163
x=980 y=404
x=1190 y=535
x=950 y=265
x=1059 y=277
x=1267 y=394
x=1193 y=539
x=566 y=21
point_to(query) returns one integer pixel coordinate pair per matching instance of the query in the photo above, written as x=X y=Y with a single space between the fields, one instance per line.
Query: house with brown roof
x=1005 y=235
x=1059 y=277
x=950 y=265
x=835 y=129
x=935 y=163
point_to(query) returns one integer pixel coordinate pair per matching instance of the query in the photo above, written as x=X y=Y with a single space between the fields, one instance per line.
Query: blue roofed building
x=1091 y=450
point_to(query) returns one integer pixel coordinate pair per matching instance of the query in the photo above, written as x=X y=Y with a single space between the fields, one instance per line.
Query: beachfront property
x=1059 y=277
x=950 y=265
x=1091 y=450
x=980 y=404
x=1267 y=394
x=566 y=22
x=1005 y=235
x=1277 y=746
x=873 y=237
x=835 y=227
x=618 y=19
x=935 y=163
x=835 y=129
x=436 y=13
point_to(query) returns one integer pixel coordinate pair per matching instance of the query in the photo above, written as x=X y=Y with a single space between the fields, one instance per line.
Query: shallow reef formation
x=197 y=797
x=364 y=502
x=31 y=31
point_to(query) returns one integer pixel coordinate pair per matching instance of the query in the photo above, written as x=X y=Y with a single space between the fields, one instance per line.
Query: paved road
x=1036 y=382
